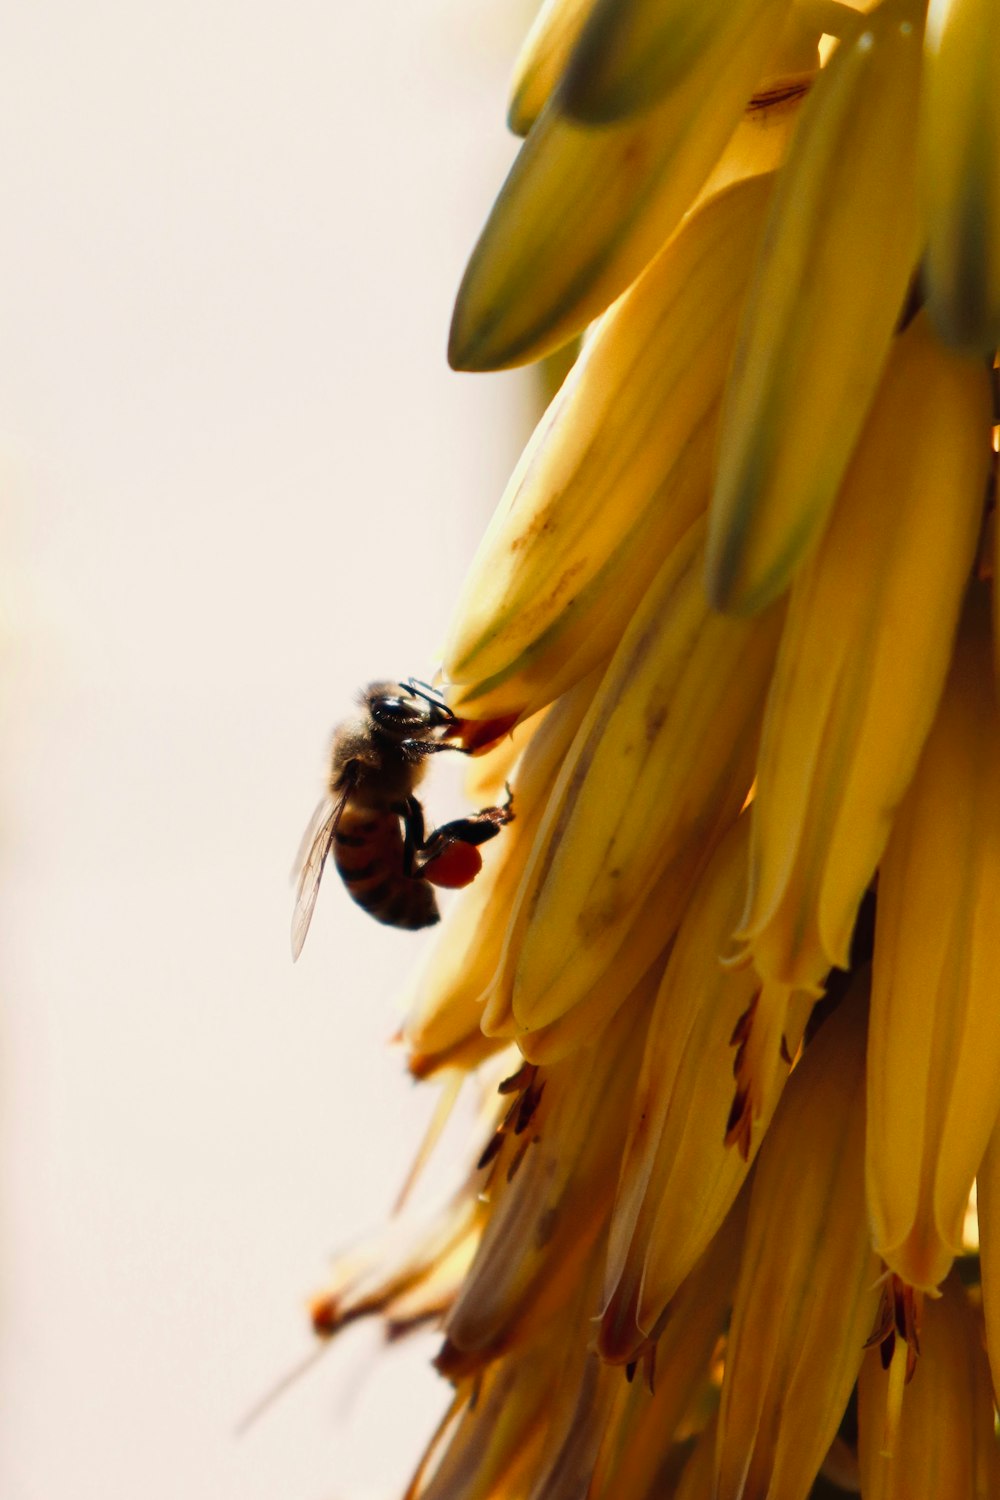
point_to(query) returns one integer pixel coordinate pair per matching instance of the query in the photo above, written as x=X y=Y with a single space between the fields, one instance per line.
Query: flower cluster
x=731 y=978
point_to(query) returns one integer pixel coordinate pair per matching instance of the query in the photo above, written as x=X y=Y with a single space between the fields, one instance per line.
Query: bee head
x=406 y=709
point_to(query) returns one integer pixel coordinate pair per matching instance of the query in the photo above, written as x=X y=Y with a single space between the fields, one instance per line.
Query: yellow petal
x=697 y=1482
x=619 y=468
x=944 y=1447
x=678 y=1179
x=840 y=248
x=988 y=1204
x=860 y=670
x=583 y=211
x=551 y=1190
x=445 y=1005
x=632 y=52
x=507 y=1421
x=542 y=58
x=807 y=1292
x=934 y=1046
x=960 y=158
x=377 y=1275
x=660 y=765
x=676 y=1367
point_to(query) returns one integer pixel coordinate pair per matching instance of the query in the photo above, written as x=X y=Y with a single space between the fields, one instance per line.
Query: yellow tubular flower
x=676 y=1362
x=631 y=52
x=570 y=1465
x=466 y=1047
x=706 y=1289
x=943 y=1446
x=960 y=150
x=807 y=1292
x=445 y=1009
x=678 y=1179
x=620 y=467
x=542 y=59
x=662 y=762
x=639 y=963
x=618 y=1446
x=507 y=1423
x=759 y=143
x=840 y=247
x=988 y=1196
x=583 y=211
x=697 y=1478
x=550 y=1189
x=850 y=707
x=934 y=1044
x=376 y=1278
x=620 y=1439
x=429 y=1300
x=697 y=1481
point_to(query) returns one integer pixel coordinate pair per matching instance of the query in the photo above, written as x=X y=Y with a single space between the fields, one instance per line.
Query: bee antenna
x=430 y=694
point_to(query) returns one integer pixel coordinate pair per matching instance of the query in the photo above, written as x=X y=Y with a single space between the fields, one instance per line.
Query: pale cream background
x=236 y=482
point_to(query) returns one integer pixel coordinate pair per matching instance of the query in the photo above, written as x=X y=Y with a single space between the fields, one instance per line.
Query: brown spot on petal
x=782 y=92
x=655 y=720
x=546 y=1227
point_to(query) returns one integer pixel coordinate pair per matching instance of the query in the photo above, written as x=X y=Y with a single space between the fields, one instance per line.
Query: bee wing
x=311 y=860
x=320 y=814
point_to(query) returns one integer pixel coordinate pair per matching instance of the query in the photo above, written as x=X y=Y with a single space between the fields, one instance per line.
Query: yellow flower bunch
x=731 y=978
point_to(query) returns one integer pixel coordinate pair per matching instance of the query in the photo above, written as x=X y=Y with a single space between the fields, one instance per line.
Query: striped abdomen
x=368 y=853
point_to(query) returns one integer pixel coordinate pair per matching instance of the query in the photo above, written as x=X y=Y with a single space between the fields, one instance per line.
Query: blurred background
x=237 y=481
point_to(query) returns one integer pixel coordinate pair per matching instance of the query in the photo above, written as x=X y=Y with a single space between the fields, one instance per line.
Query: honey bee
x=373 y=824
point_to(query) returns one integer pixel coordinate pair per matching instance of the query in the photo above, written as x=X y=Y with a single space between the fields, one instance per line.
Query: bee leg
x=412 y=814
x=476 y=829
